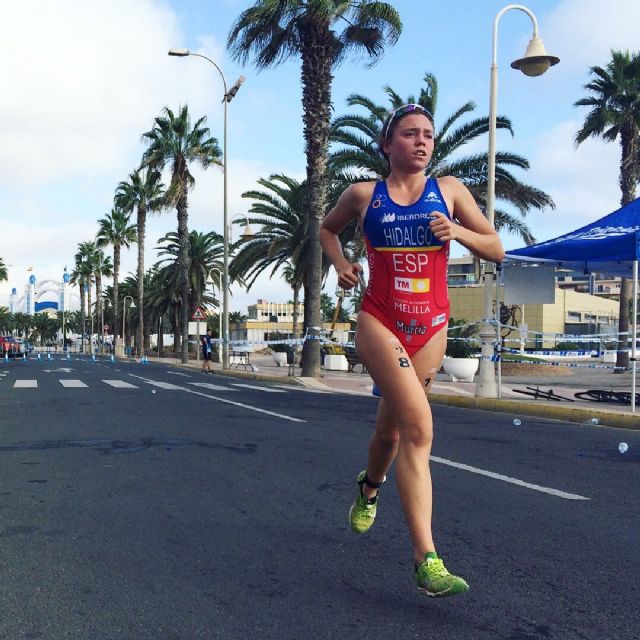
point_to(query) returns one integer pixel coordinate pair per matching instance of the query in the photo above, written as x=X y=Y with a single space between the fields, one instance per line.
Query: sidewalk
x=564 y=381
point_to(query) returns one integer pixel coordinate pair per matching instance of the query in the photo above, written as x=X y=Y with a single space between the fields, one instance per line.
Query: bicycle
x=539 y=394
x=602 y=395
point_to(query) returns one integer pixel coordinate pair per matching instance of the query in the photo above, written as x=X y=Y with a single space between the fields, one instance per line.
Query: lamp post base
x=486 y=386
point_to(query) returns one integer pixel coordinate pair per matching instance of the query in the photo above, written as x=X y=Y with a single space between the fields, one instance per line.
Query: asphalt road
x=201 y=512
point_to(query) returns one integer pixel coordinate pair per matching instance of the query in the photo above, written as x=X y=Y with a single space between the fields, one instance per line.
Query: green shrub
x=566 y=346
x=458 y=345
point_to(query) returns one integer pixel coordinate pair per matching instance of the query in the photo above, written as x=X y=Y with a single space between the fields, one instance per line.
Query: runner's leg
x=402 y=388
x=383 y=447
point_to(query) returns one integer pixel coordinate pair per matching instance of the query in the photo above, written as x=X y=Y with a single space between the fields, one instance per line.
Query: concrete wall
x=467 y=304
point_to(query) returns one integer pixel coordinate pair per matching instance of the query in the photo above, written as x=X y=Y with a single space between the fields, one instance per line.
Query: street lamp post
x=534 y=63
x=91 y=325
x=247 y=233
x=124 y=317
x=211 y=282
x=85 y=286
x=228 y=96
x=101 y=308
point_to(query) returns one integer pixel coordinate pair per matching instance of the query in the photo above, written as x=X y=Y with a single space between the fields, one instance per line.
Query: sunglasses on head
x=403 y=110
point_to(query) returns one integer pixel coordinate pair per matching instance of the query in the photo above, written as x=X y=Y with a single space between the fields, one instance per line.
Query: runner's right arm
x=350 y=206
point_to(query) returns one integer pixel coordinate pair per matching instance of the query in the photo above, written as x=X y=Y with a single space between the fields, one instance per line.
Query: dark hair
x=394 y=117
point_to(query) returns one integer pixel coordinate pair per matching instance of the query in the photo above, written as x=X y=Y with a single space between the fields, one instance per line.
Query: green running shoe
x=363 y=511
x=434 y=579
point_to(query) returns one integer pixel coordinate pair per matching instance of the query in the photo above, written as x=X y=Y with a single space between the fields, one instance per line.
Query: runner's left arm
x=473 y=231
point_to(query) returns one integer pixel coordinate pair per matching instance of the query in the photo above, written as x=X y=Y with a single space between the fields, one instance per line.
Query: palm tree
x=283 y=241
x=360 y=157
x=44 y=327
x=94 y=265
x=205 y=253
x=615 y=114
x=165 y=296
x=160 y=303
x=144 y=193
x=173 y=141
x=291 y=277
x=275 y=30
x=74 y=321
x=102 y=266
x=5 y=320
x=4 y=275
x=114 y=229
x=82 y=275
x=237 y=317
x=279 y=209
x=129 y=287
x=22 y=323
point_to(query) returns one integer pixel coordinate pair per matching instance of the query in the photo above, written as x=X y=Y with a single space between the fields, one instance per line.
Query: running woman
x=408 y=221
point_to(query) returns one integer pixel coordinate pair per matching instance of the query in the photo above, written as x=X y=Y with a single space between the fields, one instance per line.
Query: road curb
x=245 y=375
x=520 y=408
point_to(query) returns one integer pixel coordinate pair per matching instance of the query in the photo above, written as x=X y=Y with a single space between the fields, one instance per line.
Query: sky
x=84 y=79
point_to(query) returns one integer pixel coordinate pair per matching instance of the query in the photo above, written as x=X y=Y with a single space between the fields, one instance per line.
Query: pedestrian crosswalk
x=74 y=384
x=120 y=384
x=232 y=387
x=25 y=384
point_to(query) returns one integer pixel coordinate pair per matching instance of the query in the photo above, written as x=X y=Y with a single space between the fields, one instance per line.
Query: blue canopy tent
x=610 y=245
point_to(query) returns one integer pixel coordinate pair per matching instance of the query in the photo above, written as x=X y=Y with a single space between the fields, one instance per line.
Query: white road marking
x=165 y=385
x=516 y=481
x=120 y=384
x=77 y=384
x=210 y=385
x=293 y=387
x=255 y=386
x=178 y=373
x=25 y=384
x=463 y=392
x=61 y=370
x=161 y=385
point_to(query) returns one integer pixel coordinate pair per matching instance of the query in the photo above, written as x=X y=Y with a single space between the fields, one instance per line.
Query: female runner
x=408 y=221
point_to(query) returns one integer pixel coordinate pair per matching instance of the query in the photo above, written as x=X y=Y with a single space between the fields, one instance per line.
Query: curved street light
x=534 y=63
x=228 y=96
x=247 y=232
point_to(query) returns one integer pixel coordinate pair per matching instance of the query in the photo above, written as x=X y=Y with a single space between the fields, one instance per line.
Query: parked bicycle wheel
x=597 y=395
x=625 y=397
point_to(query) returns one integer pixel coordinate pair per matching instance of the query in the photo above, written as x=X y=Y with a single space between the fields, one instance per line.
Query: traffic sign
x=198 y=314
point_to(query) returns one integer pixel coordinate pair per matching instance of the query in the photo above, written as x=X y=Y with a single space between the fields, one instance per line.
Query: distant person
x=206 y=352
x=408 y=221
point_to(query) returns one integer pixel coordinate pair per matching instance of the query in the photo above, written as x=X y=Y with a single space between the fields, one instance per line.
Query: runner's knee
x=416 y=432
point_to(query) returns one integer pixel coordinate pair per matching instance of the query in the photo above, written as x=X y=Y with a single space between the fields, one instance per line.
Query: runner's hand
x=349 y=276
x=443 y=228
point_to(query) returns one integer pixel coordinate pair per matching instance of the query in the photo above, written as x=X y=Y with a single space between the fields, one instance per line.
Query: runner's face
x=411 y=144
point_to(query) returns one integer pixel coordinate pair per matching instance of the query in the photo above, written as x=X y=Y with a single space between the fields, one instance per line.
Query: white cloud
x=79 y=100
x=583 y=181
x=583 y=32
x=82 y=93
